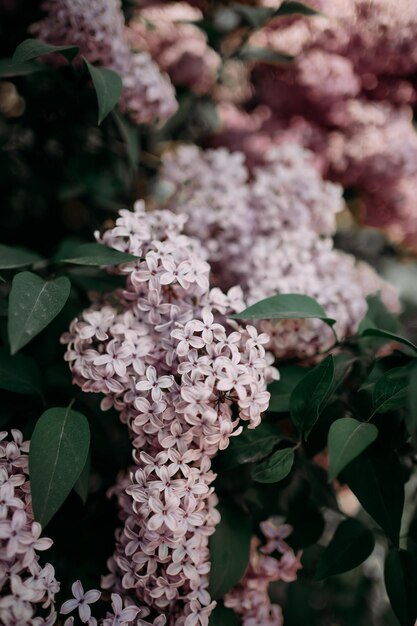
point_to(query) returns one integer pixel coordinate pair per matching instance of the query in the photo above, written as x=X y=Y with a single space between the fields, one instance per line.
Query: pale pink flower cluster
x=271 y=234
x=98 y=29
x=165 y=357
x=348 y=96
x=27 y=590
x=178 y=47
x=250 y=599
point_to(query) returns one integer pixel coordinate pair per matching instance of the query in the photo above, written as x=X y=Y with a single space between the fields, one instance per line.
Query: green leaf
x=98 y=254
x=400 y=573
x=33 y=48
x=221 y=616
x=19 y=374
x=351 y=544
x=33 y=304
x=378 y=316
x=376 y=479
x=294 y=8
x=58 y=453
x=229 y=550
x=254 y=16
x=283 y=307
x=11 y=258
x=348 y=438
x=130 y=135
x=252 y=445
x=377 y=332
x=281 y=389
x=390 y=391
x=264 y=55
x=310 y=395
x=108 y=86
x=82 y=485
x=8 y=68
x=274 y=468
x=411 y=415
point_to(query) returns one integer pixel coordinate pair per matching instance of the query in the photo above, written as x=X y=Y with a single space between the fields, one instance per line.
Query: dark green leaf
x=281 y=389
x=130 y=135
x=310 y=395
x=376 y=479
x=274 y=468
x=285 y=306
x=19 y=374
x=250 y=446
x=222 y=616
x=376 y=332
x=33 y=303
x=348 y=438
x=11 y=258
x=254 y=16
x=411 y=416
x=108 y=86
x=378 y=316
x=229 y=550
x=83 y=482
x=351 y=544
x=390 y=391
x=294 y=8
x=33 y=48
x=58 y=453
x=400 y=575
x=98 y=254
x=8 y=68
x=264 y=55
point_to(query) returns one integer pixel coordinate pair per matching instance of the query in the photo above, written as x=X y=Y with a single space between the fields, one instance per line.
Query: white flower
x=81 y=601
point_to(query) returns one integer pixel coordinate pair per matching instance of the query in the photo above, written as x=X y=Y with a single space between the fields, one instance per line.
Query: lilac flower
x=154 y=384
x=81 y=601
x=122 y=616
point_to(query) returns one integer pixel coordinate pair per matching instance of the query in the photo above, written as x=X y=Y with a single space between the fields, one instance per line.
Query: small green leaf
x=19 y=374
x=33 y=304
x=294 y=8
x=310 y=395
x=252 y=445
x=108 y=86
x=254 y=16
x=221 y=616
x=33 y=48
x=351 y=544
x=376 y=479
x=377 y=332
x=348 y=438
x=274 y=468
x=283 y=307
x=130 y=135
x=264 y=55
x=8 y=68
x=83 y=482
x=281 y=389
x=98 y=254
x=229 y=550
x=11 y=258
x=390 y=391
x=400 y=573
x=58 y=453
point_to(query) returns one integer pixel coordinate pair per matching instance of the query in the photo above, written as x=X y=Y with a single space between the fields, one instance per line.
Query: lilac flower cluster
x=250 y=599
x=27 y=590
x=162 y=353
x=98 y=29
x=271 y=234
x=348 y=96
x=177 y=46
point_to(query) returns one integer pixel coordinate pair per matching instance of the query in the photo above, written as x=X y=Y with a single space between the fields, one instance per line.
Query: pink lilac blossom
x=98 y=29
x=250 y=599
x=270 y=233
x=164 y=355
x=27 y=590
x=176 y=45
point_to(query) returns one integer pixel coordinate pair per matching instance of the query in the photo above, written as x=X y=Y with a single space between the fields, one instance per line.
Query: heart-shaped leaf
x=348 y=438
x=274 y=468
x=229 y=550
x=351 y=544
x=33 y=303
x=83 y=482
x=310 y=395
x=33 y=48
x=97 y=254
x=108 y=86
x=285 y=306
x=57 y=456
